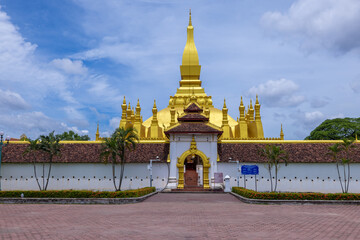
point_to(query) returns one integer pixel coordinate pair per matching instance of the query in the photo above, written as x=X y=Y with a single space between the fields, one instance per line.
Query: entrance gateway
x=187 y=164
x=193 y=149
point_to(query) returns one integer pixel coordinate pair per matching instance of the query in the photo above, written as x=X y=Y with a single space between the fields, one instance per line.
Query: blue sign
x=249 y=170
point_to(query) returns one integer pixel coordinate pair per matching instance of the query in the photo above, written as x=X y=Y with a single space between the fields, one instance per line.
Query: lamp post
x=238 y=170
x=150 y=168
x=7 y=139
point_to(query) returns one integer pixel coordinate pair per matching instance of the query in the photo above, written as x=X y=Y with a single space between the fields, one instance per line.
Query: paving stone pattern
x=180 y=216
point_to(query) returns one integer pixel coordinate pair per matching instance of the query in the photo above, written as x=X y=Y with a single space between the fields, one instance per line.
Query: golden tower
x=248 y=126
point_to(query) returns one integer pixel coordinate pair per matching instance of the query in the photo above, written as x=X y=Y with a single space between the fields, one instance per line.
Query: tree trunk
x=276 y=173
x=345 y=178
x=337 y=167
x=348 y=183
x=48 y=176
x=122 y=159
x=113 y=172
x=43 y=177
x=269 y=167
x=36 y=178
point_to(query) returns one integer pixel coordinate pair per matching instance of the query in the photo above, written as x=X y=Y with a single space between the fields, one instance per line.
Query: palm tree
x=346 y=145
x=33 y=148
x=50 y=145
x=121 y=140
x=273 y=154
x=334 y=150
x=110 y=151
x=344 y=161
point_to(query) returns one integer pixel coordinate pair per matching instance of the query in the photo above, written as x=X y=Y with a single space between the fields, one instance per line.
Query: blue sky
x=65 y=65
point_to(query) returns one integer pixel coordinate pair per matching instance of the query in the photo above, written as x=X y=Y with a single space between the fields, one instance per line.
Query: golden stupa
x=247 y=126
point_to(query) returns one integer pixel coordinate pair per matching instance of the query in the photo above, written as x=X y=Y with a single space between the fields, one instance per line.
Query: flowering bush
x=78 y=194
x=294 y=196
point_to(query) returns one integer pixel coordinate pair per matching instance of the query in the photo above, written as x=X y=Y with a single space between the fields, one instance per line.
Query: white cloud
x=29 y=80
x=319 y=102
x=101 y=90
x=32 y=124
x=311 y=117
x=69 y=66
x=308 y=120
x=75 y=129
x=278 y=93
x=12 y=101
x=339 y=115
x=355 y=86
x=114 y=122
x=332 y=24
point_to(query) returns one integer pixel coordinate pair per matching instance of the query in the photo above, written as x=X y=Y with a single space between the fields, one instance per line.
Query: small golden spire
x=97 y=135
x=257 y=99
x=138 y=103
x=224 y=103
x=124 y=102
x=251 y=106
x=129 y=107
x=281 y=133
x=190 y=23
x=241 y=102
x=154 y=104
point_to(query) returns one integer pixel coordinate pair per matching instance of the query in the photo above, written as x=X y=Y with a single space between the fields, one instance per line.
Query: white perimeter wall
x=296 y=177
x=82 y=176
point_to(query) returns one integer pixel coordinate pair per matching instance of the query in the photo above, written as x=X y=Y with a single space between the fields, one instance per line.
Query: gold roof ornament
x=97 y=135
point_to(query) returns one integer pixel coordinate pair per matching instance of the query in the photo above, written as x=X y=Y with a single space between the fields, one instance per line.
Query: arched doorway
x=193 y=171
x=193 y=152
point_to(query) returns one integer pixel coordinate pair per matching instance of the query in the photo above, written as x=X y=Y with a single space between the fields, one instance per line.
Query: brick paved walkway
x=180 y=216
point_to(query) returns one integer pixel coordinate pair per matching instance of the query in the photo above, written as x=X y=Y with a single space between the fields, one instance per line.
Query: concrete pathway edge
x=75 y=200
x=268 y=201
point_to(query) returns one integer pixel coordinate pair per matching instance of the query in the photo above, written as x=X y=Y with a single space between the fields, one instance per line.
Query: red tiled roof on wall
x=244 y=152
x=85 y=153
x=298 y=152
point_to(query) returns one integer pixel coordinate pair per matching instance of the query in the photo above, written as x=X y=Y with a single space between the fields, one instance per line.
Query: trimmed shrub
x=294 y=196
x=78 y=193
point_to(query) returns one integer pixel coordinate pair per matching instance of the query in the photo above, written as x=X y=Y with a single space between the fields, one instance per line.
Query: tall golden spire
x=190 y=68
x=123 y=115
x=190 y=83
x=190 y=55
x=242 y=110
x=251 y=111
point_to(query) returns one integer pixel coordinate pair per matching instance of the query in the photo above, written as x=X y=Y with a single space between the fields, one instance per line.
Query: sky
x=66 y=65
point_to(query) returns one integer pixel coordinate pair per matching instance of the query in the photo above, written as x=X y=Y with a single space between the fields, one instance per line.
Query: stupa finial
x=190 y=23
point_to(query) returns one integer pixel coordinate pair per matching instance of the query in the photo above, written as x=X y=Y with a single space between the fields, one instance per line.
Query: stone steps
x=196 y=189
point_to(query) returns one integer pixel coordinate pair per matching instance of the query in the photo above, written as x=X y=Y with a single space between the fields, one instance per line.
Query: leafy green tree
x=273 y=155
x=50 y=145
x=121 y=141
x=336 y=129
x=72 y=136
x=33 y=149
